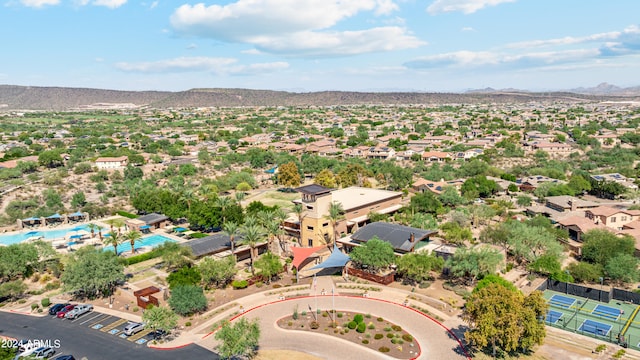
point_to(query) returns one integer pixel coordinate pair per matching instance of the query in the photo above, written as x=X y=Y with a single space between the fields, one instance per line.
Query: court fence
x=590 y=293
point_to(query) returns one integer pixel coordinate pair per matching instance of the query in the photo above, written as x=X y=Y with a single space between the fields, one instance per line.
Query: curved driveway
x=435 y=341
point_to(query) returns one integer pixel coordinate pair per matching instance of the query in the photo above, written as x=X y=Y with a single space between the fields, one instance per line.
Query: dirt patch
x=284 y=354
x=378 y=333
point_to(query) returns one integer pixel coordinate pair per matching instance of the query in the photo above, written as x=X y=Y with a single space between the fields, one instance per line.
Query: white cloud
x=293 y=27
x=465 y=6
x=201 y=64
x=192 y=46
x=111 y=4
x=251 y=52
x=153 y=5
x=467 y=29
x=39 y=3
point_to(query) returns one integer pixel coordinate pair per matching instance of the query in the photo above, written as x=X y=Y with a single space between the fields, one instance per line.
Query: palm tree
x=299 y=210
x=114 y=240
x=231 y=229
x=116 y=222
x=336 y=213
x=253 y=235
x=223 y=202
x=93 y=227
x=132 y=237
x=189 y=195
x=240 y=195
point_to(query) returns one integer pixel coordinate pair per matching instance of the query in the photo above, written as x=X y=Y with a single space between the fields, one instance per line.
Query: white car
x=79 y=310
x=133 y=327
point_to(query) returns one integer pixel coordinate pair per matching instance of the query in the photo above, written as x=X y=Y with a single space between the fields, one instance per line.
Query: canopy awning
x=31 y=233
x=145 y=227
x=75 y=237
x=77 y=214
x=179 y=229
x=31 y=219
x=54 y=216
x=336 y=259
x=301 y=254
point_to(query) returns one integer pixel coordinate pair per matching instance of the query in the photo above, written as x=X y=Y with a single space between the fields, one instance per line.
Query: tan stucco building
x=357 y=202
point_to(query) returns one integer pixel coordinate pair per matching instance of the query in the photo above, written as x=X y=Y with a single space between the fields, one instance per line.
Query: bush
x=380 y=319
x=352 y=325
x=384 y=349
x=34 y=306
x=340 y=315
x=362 y=327
x=140 y=258
x=390 y=335
x=259 y=284
x=126 y=214
x=52 y=285
x=396 y=328
x=188 y=323
x=22 y=301
x=407 y=338
x=45 y=302
x=378 y=336
x=239 y=284
x=358 y=318
x=365 y=341
x=371 y=326
x=314 y=325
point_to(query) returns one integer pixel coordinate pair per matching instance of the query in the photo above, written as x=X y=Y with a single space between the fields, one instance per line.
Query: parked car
x=64 y=357
x=44 y=352
x=79 y=310
x=60 y=314
x=158 y=333
x=133 y=327
x=57 y=307
x=26 y=353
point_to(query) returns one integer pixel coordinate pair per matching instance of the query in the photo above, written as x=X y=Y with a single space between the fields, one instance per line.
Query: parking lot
x=94 y=335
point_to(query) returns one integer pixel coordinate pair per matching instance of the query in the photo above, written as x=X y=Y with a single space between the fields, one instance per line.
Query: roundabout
x=432 y=339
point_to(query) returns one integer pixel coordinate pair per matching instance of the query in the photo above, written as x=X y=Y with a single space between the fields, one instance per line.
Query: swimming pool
x=48 y=234
x=152 y=241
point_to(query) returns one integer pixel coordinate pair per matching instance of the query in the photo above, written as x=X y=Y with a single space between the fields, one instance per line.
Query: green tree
x=133 y=173
x=417 y=267
x=269 y=265
x=231 y=229
x=600 y=245
x=450 y=197
x=546 y=264
x=501 y=318
x=113 y=239
x=93 y=272
x=336 y=214
x=523 y=200
x=12 y=290
x=50 y=158
x=218 y=272
x=326 y=178
x=160 y=318
x=204 y=157
x=474 y=263
x=78 y=199
x=253 y=234
x=623 y=268
x=494 y=279
x=425 y=202
x=175 y=256
x=132 y=237
x=186 y=300
x=585 y=272
x=238 y=340
x=455 y=234
x=288 y=174
x=17 y=260
x=185 y=276
x=373 y=255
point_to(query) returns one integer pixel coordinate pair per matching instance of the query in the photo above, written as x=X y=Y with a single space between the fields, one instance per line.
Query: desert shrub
x=276 y=286
x=290 y=323
x=396 y=328
x=397 y=341
x=352 y=325
x=358 y=318
x=259 y=284
x=361 y=327
x=324 y=314
x=368 y=316
x=378 y=336
x=45 y=302
x=22 y=301
x=295 y=313
x=380 y=319
x=52 y=285
x=407 y=338
x=239 y=284
x=387 y=329
x=365 y=341
x=314 y=325
x=371 y=326
x=34 y=306
x=384 y=349
x=390 y=335
x=188 y=323
x=340 y=315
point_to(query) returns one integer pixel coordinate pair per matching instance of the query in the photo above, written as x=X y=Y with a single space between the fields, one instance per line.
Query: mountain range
x=14 y=97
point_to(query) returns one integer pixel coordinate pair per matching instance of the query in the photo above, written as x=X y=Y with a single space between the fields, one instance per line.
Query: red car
x=64 y=311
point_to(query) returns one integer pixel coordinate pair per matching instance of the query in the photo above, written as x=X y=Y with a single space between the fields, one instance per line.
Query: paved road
x=435 y=341
x=82 y=341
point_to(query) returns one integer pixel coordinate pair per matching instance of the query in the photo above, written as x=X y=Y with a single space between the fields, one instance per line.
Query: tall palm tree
x=116 y=222
x=336 y=213
x=114 y=239
x=253 y=235
x=132 y=237
x=231 y=229
x=93 y=227
x=240 y=195
x=188 y=194
x=299 y=210
x=223 y=202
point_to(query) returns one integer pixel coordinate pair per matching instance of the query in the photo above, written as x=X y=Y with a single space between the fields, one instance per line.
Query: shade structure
x=75 y=237
x=145 y=227
x=336 y=259
x=179 y=229
x=55 y=216
x=31 y=219
x=31 y=233
x=70 y=243
x=106 y=235
x=77 y=214
x=301 y=254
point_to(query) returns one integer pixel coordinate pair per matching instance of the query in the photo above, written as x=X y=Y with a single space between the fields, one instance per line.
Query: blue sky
x=315 y=45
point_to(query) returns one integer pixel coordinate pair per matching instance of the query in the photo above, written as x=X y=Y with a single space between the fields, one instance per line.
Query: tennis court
x=595 y=327
x=607 y=312
x=562 y=301
x=553 y=316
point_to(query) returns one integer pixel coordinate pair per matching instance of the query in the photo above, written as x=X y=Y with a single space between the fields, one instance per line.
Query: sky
x=317 y=45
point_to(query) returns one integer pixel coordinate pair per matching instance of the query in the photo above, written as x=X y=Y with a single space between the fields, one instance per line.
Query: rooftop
x=355 y=197
x=313 y=189
x=399 y=236
x=152 y=218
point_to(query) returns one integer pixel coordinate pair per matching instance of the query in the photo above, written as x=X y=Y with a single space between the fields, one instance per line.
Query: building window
x=310 y=228
x=325 y=224
x=309 y=207
x=623 y=218
x=613 y=219
x=309 y=242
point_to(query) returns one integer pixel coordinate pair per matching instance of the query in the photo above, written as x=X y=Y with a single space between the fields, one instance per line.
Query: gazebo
x=300 y=255
x=54 y=218
x=336 y=259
